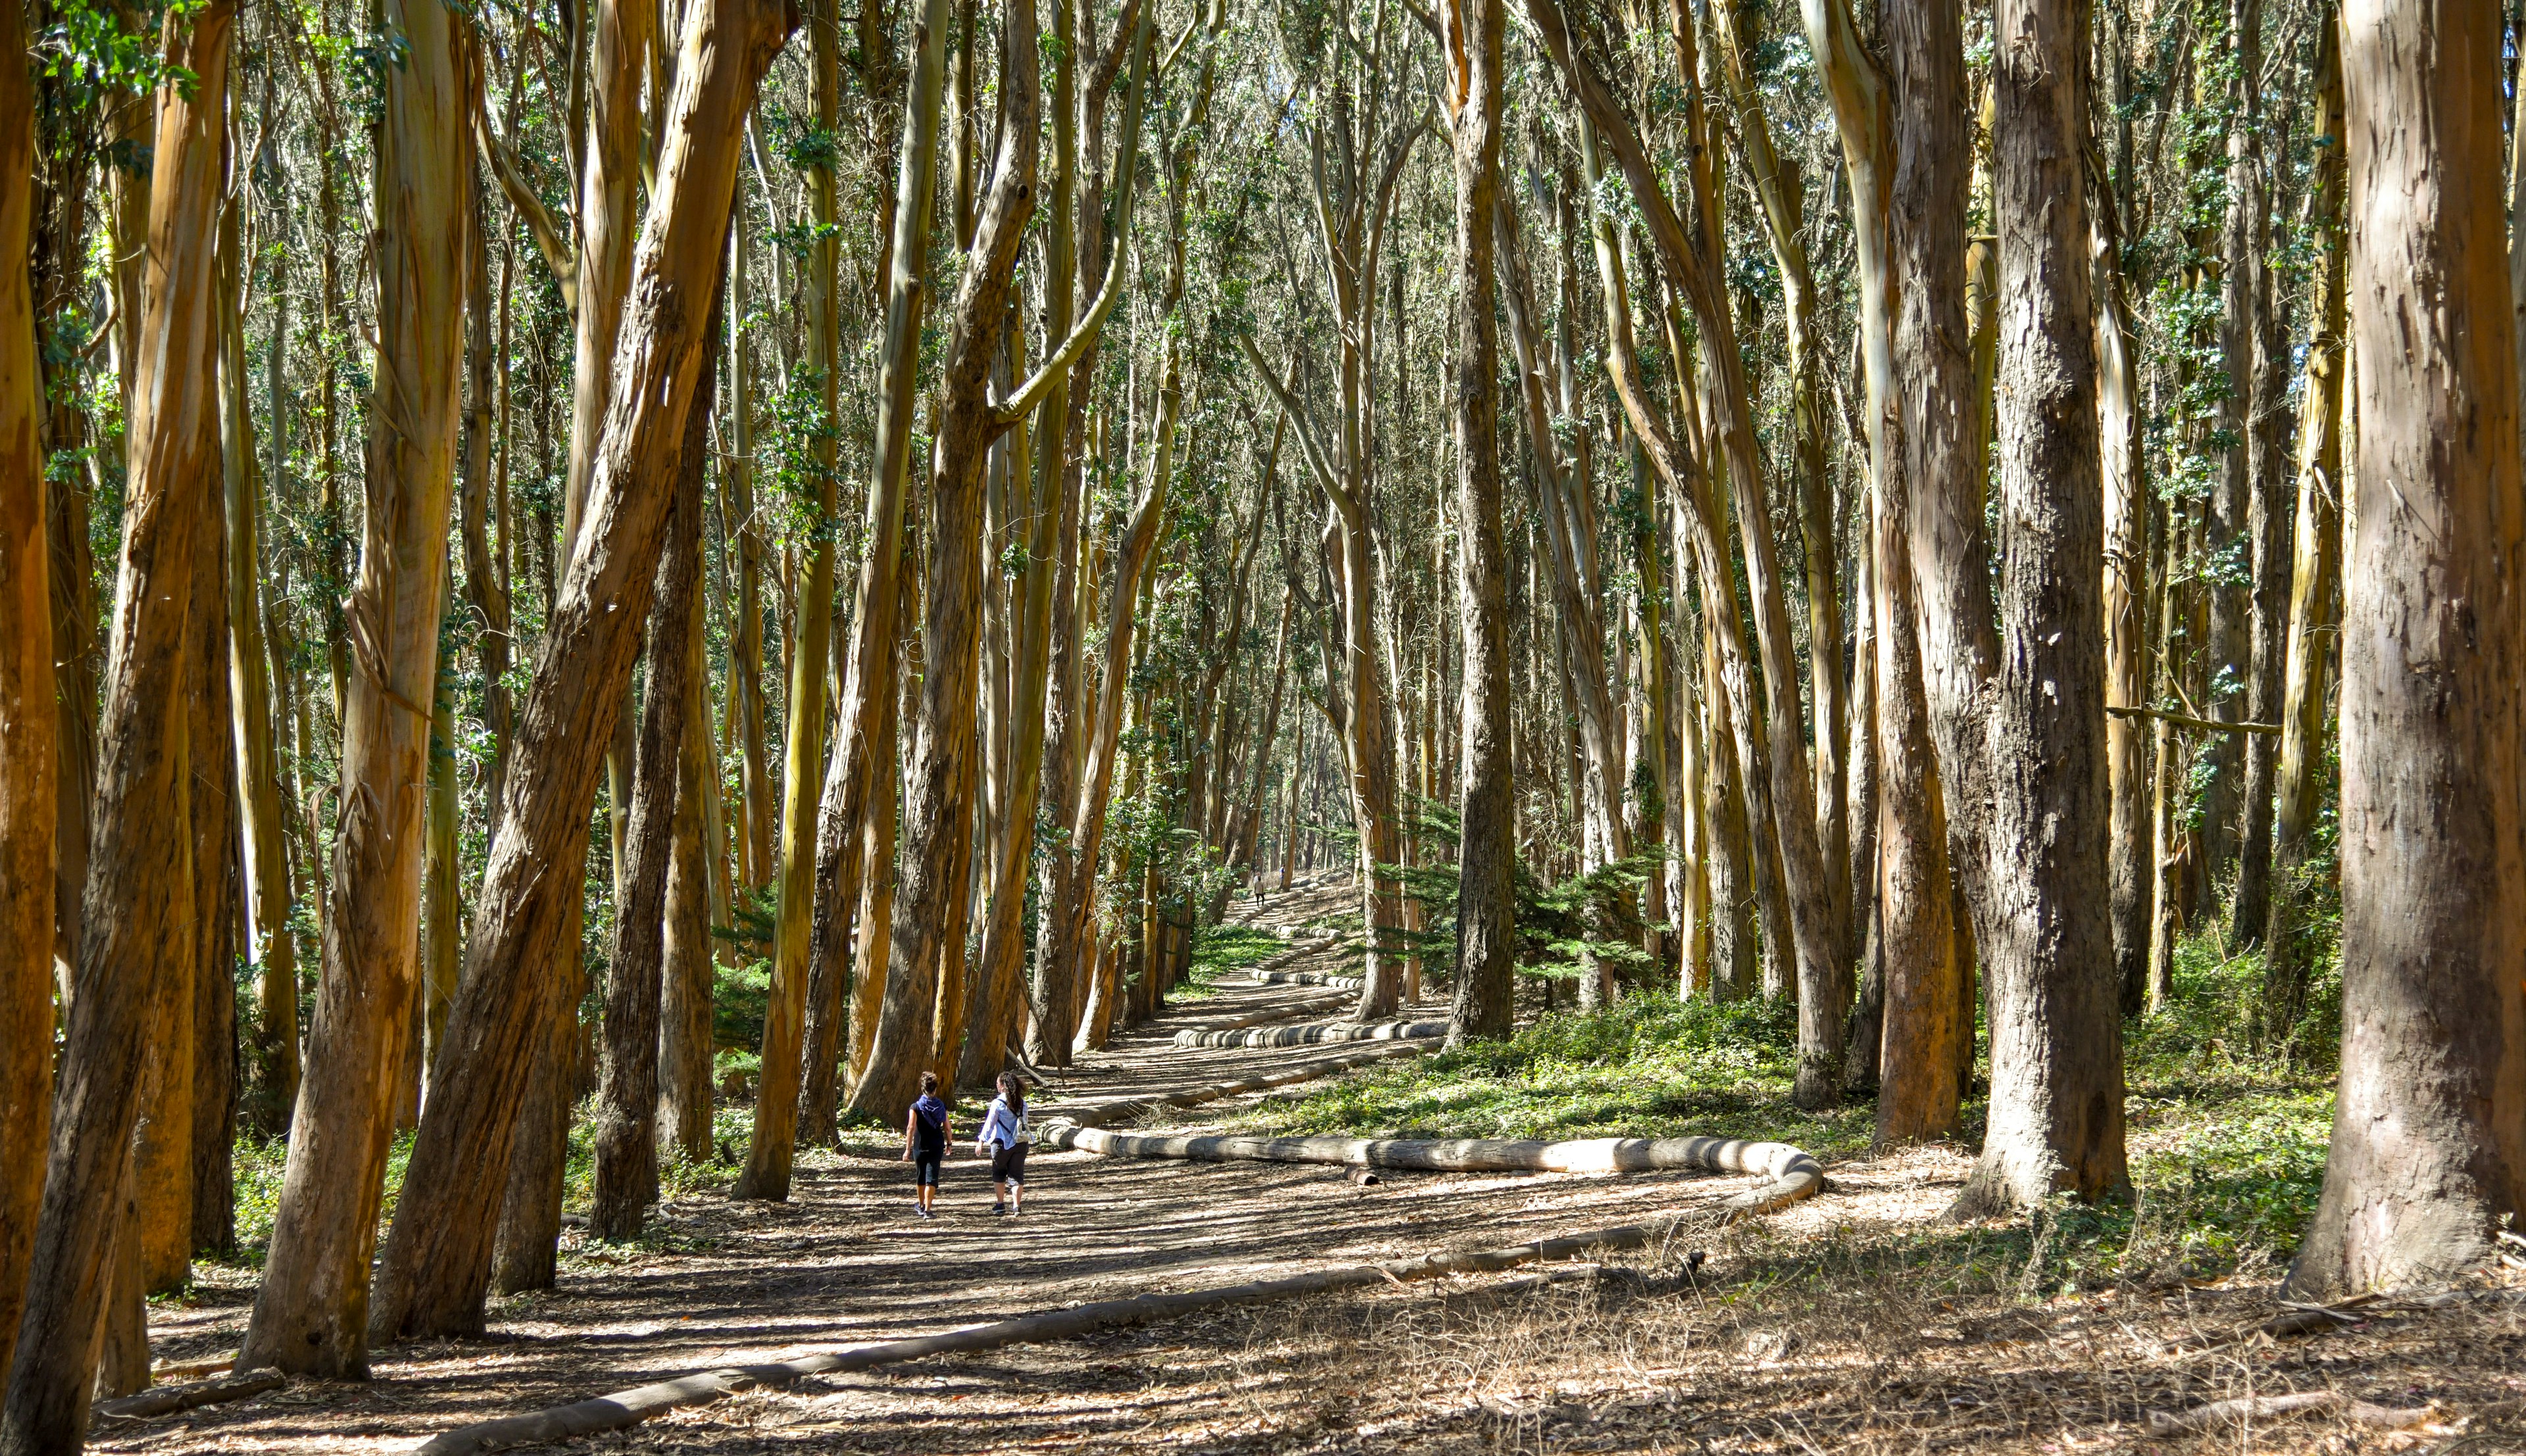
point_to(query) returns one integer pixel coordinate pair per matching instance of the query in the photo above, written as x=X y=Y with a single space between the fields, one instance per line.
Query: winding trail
x=723 y=1284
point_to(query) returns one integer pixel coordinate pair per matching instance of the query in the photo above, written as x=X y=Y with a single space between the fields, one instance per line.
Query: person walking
x=925 y=1143
x=1004 y=1139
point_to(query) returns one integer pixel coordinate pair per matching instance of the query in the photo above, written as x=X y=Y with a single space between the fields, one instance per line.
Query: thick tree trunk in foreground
x=139 y=898
x=1487 y=855
x=310 y=1312
x=28 y=718
x=438 y=1253
x=2028 y=771
x=626 y=1090
x=2429 y=1130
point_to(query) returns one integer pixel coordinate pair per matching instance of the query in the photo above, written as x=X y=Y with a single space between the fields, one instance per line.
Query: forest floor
x=1858 y=1322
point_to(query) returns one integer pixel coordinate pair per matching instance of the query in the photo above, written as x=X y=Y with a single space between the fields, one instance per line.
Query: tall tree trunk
x=1689 y=264
x=205 y=1217
x=2270 y=500
x=2020 y=708
x=309 y=1314
x=626 y=1097
x=2289 y=955
x=266 y=860
x=746 y=639
x=833 y=866
x=685 y=1045
x=1487 y=855
x=2126 y=598
x=29 y=722
x=437 y=1257
x=2429 y=1129
x=139 y=892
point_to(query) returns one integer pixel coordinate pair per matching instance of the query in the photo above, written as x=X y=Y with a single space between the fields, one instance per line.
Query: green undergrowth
x=2226 y=1141
x=1650 y=1066
x=1222 y=950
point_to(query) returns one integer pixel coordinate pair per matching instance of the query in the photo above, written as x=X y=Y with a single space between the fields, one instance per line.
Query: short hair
x=929 y=1081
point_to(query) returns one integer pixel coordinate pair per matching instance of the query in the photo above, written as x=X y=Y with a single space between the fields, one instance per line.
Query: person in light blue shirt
x=1004 y=1139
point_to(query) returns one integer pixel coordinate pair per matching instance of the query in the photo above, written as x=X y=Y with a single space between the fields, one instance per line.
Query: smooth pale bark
x=1778 y=187
x=2429 y=1132
x=269 y=943
x=2119 y=426
x=1055 y=992
x=2289 y=953
x=746 y=635
x=437 y=1258
x=927 y=962
x=29 y=722
x=1487 y=855
x=310 y=1312
x=2020 y=706
x=139 y=892
x=829 y=862
x=610 y=160
x=2234 y=28
x=485 y=586
x=1066 y=951
x=1689 y=266
x=627 y=1088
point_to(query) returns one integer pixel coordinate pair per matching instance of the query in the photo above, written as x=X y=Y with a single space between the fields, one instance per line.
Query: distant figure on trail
x=925 y=1143
x=1003 y=1140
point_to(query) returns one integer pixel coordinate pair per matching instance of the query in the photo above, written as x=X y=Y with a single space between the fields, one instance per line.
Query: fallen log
x=168 y=1400
x=1307 y=1034
x=1792 y=1173
x=2219 y=1412
x=625 y=1408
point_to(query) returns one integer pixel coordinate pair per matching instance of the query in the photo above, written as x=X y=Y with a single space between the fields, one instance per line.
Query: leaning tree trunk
x=626 y=1090
x=1486 y=854
x=438 y=1260
x=841 y=863
x=2022 y=723
x=138 y=896
x=28 y=718
x=2429 y=1129
x=310 y=1313
x=929 y=921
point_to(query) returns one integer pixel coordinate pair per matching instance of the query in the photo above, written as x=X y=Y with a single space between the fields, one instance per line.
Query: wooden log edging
x=625 y=1408
x=1311 y=1033
x=1094 y=1114
x=1264 y=976
x=1792 y=1173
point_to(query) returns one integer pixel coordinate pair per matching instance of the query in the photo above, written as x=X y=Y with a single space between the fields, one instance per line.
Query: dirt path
x=843 y=1262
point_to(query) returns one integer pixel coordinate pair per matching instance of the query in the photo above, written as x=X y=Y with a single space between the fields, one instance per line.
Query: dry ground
x=1855 y=1322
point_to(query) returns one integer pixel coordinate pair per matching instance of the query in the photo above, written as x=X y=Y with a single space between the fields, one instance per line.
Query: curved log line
x=1793 y=1172
x=1309 y=1033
